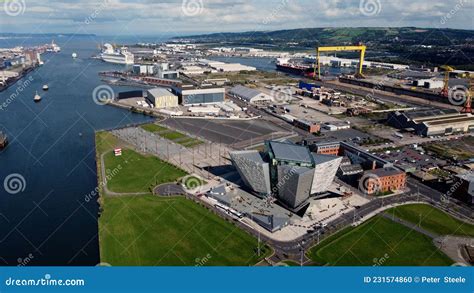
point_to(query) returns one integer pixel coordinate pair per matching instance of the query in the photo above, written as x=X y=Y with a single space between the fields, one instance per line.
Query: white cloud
x=154 y=17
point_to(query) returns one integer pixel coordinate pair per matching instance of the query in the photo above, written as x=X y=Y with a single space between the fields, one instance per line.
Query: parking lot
x=226 y=131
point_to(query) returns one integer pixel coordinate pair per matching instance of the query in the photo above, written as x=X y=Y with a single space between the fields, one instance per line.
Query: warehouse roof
x=244 y=92
x=159 y=91
x=429 y=113
x=382 y=172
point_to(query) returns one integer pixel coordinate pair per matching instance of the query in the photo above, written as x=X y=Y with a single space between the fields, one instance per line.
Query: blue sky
x=175 y=17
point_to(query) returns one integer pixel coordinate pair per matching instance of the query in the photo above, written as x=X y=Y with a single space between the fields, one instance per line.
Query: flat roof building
x=270 y=216
x=250 y=95
x=190 y=95
x=429 y=122
x=383 y=180
x=162 y=98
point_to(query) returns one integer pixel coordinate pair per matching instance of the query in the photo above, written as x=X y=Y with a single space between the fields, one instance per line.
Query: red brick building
x=384 y=180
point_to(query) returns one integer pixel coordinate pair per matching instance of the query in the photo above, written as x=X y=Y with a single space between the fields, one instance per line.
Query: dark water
x=52 y=148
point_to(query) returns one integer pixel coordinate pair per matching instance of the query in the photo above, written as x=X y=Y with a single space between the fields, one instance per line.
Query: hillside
x=427 y=46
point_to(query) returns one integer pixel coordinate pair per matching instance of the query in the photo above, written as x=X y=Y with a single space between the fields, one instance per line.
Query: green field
x=433 y=220
x=379 y=241
x=151 y=127
x=138 y=173
x=149 y=231
x=172 y=135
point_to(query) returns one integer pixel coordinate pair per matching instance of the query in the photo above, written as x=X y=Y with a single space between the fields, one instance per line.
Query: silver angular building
x=325 y=169
x=294 y=185
x=289 y=172
x=253 y=170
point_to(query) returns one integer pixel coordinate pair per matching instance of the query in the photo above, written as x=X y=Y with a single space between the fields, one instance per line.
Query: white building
x=249 y=95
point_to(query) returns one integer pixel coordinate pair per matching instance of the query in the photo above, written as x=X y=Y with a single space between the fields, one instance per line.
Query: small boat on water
x=45 y=87
x=74 y=55
x=37 y=98
x=3 y=140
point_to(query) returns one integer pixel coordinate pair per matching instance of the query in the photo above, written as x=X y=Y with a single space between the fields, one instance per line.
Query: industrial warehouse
x=429 y=122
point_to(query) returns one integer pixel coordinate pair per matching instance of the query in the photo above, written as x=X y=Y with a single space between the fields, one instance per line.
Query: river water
x=45 y=220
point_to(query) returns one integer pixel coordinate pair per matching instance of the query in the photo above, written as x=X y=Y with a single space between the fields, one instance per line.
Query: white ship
x=53 y=48
x=37 y=98
x=121 y=56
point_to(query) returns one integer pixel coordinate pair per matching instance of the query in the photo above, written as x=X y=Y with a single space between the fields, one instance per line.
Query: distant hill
x=332 y=36
x=428 y=46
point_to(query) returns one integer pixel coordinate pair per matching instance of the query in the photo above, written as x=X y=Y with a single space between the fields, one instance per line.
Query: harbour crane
x=447 y=69
x=470 y=92
x=358 y=48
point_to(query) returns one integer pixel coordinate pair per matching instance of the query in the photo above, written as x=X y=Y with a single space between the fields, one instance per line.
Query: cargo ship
x=296 y=68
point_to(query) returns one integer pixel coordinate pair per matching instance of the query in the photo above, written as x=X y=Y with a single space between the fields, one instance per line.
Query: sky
x=175 y=17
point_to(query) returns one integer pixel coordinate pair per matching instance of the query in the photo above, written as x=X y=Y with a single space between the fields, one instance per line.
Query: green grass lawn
x=433 y=220
x=377 y=239
x=151 y=127
x=150 y=230
x=173 y=135
x=189 y=142
x=105 y=141
x=137 y=173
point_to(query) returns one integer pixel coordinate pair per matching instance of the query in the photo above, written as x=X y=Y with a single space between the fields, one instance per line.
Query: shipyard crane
x=447 y=69
x=358 y=48
x=470 y=92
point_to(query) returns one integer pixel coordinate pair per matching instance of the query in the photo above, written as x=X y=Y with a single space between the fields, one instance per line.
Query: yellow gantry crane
x=447 y=69
x=358 y=48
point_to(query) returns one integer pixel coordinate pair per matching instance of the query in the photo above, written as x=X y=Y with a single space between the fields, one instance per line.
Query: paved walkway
x=410 y=225
x=452 y=246
x=169 y=189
